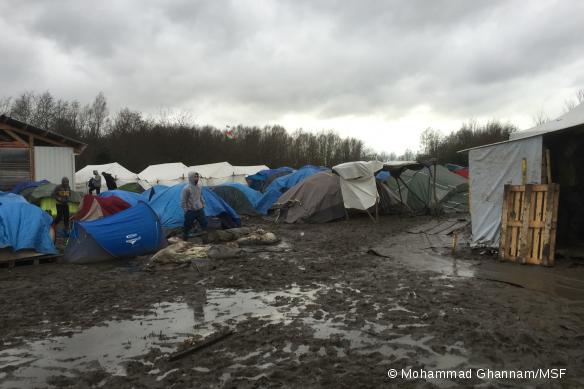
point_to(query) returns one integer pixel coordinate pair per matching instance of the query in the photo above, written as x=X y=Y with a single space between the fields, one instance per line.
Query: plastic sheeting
x=24 y=226
x=358 y=183
x=260 y=180
x=491 y=168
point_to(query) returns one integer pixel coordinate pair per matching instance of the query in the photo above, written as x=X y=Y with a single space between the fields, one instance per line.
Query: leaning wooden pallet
x=528 y=224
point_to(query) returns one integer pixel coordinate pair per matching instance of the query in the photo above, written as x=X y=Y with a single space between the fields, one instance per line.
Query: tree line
x=136 y=141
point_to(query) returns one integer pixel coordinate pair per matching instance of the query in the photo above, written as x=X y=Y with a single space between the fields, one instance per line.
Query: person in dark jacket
x=95 y=183
x=110 y=181
x=62 y=195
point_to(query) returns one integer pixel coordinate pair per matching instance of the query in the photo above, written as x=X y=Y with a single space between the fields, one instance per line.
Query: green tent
x=236 y=199
x=42 y=196
x=132 y=187
x=415 y=189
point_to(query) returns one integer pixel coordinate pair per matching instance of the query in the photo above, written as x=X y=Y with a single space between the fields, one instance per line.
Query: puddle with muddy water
x=109 y=345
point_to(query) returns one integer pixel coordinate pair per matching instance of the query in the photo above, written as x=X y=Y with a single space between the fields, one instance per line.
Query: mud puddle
x=110 y=345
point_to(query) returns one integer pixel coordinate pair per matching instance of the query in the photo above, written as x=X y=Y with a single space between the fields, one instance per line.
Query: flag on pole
x=230 y=133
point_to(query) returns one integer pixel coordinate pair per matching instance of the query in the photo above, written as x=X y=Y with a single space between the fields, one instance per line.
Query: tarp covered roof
x=572 y=118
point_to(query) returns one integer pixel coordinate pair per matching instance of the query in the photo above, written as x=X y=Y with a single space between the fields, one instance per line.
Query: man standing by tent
x=193 y=205
x=62 y=195
x=95 y=183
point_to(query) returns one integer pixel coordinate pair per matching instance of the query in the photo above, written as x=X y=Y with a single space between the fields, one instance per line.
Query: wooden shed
x=29 y=153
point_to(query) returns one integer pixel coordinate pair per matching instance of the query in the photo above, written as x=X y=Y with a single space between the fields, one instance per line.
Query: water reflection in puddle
x=109 y=345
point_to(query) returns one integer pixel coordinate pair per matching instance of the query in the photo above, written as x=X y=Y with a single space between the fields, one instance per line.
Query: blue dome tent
x=132 y=232
x=166 y=203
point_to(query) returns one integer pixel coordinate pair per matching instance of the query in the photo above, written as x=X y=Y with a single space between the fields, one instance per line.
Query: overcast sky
x=381 y=71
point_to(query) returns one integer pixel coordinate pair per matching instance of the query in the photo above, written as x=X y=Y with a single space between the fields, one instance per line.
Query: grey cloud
x=327 y=58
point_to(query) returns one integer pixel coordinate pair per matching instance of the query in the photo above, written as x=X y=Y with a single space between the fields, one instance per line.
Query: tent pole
x=434 y=190
x=399 y=190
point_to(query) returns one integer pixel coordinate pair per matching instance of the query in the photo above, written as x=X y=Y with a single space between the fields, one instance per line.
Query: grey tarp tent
x=415 y=188
x=317 y=199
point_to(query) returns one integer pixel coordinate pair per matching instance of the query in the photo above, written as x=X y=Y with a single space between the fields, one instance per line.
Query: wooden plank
x=515 y=230
x=503 y=242
x=548 y=226
x=556 y=203
x=441 y=227
x=533 y=226
x=538 y=217
x=524 y=171
x=523 y=249
x=532 y=223
x=548 y=166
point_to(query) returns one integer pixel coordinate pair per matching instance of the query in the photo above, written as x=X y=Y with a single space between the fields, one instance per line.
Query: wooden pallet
x=25 y=258
x=528 y=223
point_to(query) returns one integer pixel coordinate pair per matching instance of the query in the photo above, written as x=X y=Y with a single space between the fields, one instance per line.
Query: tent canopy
x=97 y=207
x=121 y=175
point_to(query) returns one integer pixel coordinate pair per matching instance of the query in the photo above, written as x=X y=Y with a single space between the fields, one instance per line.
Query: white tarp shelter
x=358 y=183
x=121 y=174
x=163 y=174
x=493 y=166
x=222 y=172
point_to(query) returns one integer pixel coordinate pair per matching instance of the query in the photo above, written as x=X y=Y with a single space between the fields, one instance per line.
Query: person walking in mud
x=62 y=195
x=193 y=205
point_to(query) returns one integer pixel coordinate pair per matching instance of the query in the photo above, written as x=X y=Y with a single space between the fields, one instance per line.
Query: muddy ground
x=323 y=314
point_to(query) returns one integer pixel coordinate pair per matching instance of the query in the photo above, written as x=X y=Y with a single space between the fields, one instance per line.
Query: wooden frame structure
x=528 y=223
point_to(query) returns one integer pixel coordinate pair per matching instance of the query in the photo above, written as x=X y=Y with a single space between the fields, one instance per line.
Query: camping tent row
x=495 y=165
x=167 y=174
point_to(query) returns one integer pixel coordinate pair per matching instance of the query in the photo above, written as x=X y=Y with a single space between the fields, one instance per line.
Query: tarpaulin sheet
x=491 y=168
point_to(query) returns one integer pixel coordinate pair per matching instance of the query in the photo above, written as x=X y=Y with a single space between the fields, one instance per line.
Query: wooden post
x=504 y=218
x=31 y=158
x=523 y=171
x=548 y=166
x=434 y=190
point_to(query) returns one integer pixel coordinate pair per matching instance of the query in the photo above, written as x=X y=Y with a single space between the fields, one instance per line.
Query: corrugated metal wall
x=54 y=163
x=14 y=167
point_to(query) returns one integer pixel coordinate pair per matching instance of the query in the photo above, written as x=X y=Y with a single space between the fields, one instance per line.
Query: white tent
x=121 y=174
x=214 y=173
x=358 y=183
x=163 y=174
x=493 y=166
x=240 y=172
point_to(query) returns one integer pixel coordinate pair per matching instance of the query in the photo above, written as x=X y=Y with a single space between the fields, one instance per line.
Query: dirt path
x=325 y=314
